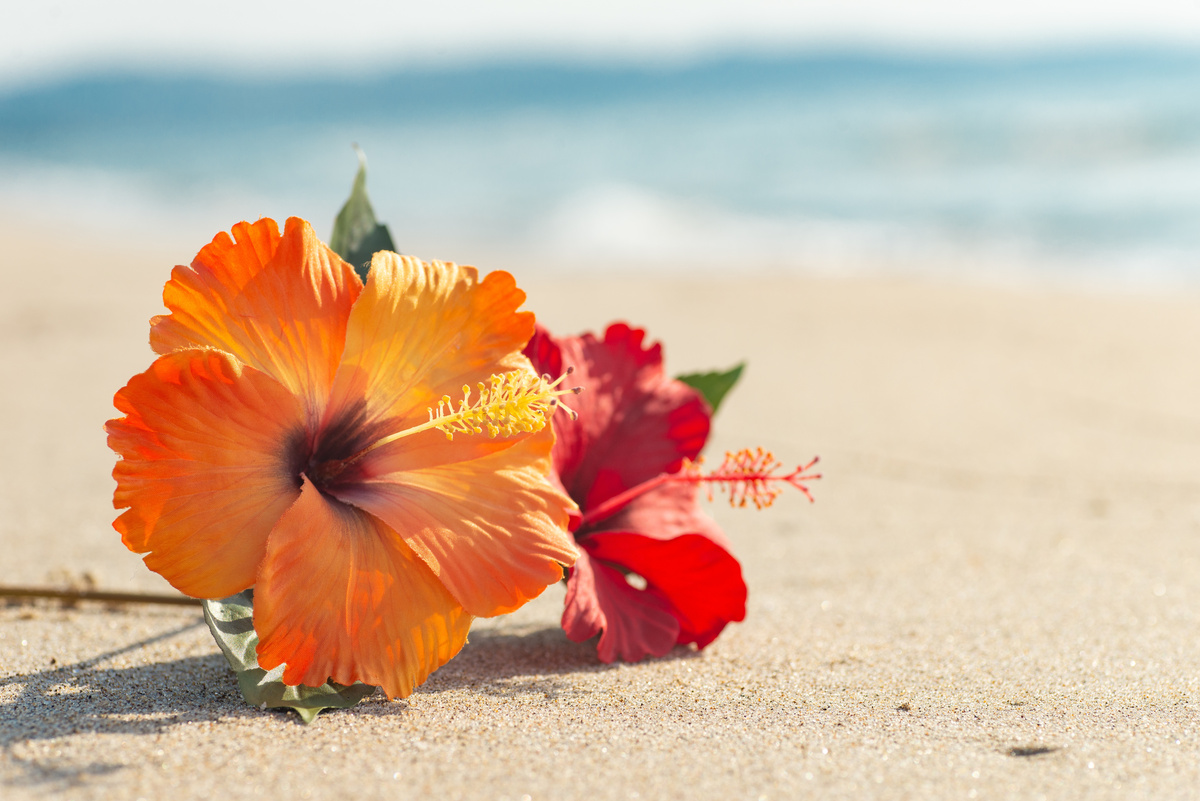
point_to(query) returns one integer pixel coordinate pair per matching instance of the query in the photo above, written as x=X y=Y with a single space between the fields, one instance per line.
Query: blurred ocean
x=1078 y=166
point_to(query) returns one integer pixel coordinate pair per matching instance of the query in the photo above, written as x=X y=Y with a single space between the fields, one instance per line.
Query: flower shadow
x=82 y=698
x=88 y=698
x=528 y=660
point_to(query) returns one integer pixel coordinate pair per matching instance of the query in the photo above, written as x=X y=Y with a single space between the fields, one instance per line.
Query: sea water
x=1075 y=166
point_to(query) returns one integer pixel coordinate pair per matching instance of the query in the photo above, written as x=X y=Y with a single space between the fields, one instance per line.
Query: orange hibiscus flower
x=295 y=435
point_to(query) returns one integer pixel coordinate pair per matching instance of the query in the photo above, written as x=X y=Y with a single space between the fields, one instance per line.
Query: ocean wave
x=1080 y=167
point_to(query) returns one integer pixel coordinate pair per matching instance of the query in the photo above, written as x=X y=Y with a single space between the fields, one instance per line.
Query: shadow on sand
x=534 y=659
x=87 y=698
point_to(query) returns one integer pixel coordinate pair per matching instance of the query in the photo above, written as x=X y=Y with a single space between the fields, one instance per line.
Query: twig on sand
x=73 y=595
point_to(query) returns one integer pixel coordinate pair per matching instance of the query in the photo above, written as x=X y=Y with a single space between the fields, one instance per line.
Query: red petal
x=545 y=353
x=665 y=512
x=700 y=581
x=634 y=421
x=635 y=623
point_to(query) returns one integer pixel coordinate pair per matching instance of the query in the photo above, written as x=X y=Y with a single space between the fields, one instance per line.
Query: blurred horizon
x=1024 y=157
x=57 y=39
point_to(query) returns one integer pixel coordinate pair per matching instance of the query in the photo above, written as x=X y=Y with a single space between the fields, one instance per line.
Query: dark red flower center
x=329 y=457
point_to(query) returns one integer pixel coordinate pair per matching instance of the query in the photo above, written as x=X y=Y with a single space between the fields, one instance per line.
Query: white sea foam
x=1078 y=169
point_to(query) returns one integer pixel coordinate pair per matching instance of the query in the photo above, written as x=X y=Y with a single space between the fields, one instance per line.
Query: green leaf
x=231 y=622
x=357 y=235
x=714 y=386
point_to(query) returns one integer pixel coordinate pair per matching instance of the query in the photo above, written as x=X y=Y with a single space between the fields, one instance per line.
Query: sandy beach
x=996 y=594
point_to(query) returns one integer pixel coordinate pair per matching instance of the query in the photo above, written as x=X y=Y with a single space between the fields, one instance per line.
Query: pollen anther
x=516 y=402
x=749 y=476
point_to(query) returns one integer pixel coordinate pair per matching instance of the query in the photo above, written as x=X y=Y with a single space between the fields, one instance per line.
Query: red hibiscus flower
x=653 y=570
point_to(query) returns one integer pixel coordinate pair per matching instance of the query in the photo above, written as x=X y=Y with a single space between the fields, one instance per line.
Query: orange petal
x=423 y=330
x=492 y=529
x=341 y=596
x=279 y=304
x=204 y=469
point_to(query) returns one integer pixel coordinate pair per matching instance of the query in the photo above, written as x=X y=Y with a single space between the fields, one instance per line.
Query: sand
x=995 y=595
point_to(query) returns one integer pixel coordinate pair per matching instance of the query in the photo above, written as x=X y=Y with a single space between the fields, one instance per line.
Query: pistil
x=512 y=403
x=748 y=476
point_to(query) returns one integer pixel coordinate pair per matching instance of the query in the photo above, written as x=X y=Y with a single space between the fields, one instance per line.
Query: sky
x=49 y=39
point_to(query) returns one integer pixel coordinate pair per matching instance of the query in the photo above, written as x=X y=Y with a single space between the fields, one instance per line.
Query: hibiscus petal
x=279 y=304
x=204 y=474
x=635 y=622
x=634 y=421
x=665 y=512
x=423 y=330
x=341 y=596
x=545 y=352
x=700 y=580
x=492 y=529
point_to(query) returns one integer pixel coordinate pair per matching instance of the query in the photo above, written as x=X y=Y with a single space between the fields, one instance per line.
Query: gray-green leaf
x=357 y=235
x=231 y=621
x=714 y=386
